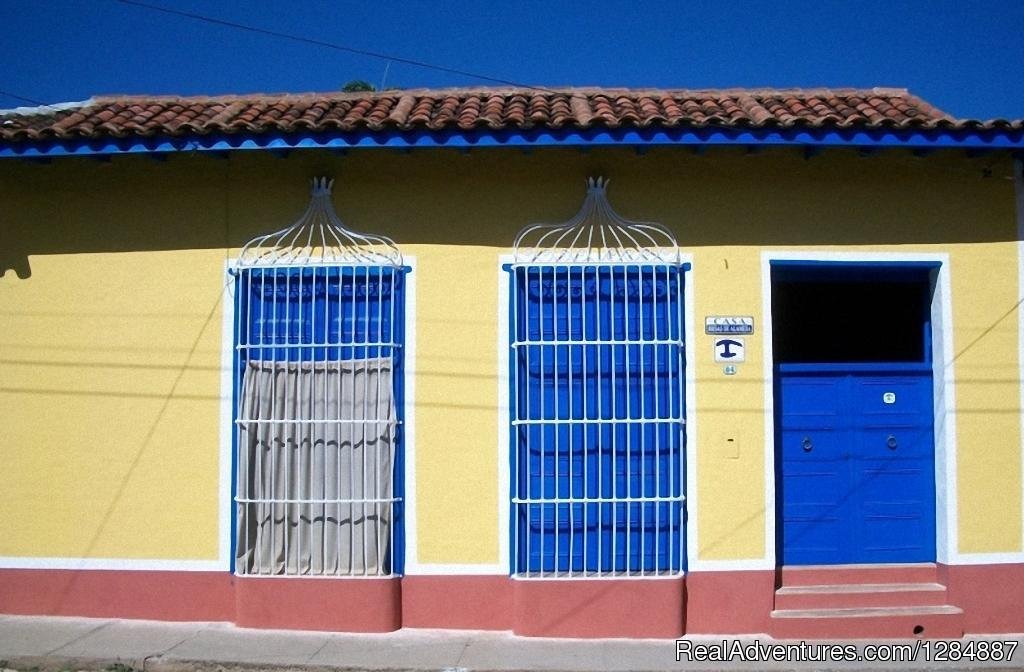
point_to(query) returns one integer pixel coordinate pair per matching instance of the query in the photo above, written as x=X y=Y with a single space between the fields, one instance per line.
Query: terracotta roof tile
x=468 y=109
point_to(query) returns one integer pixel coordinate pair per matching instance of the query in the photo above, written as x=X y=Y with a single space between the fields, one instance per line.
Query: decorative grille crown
x=596 y=234
x=319 y=237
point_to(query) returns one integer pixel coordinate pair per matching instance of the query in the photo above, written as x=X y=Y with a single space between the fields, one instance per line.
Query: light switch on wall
x=732 y=448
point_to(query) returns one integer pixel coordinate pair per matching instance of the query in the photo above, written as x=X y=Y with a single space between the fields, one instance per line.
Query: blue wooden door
x=856 y=464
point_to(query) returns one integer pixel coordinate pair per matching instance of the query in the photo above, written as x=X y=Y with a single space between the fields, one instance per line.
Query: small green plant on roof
x=119 y=667
x=356 y=85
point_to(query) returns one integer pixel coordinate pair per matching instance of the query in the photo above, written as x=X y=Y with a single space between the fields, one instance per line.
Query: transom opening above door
x=851 y=312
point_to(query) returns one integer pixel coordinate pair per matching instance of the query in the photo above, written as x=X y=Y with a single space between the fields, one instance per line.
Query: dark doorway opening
x=851 y=313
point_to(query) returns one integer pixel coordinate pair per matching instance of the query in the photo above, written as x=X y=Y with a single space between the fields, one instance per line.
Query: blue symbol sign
x=730 y=350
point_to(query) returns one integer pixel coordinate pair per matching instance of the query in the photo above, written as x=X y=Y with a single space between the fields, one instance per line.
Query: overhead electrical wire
x=328 y=45
x=303 y=40
x=8 y=94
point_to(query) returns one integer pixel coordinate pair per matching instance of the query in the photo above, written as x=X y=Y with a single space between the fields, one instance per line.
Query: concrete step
x=816 y=575
x=930 y=622
x=857 y=595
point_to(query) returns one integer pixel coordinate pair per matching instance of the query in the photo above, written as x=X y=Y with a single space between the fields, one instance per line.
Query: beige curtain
x=314 y=467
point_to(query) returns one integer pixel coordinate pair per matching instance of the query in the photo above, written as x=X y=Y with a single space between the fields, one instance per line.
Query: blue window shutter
x=597 y=392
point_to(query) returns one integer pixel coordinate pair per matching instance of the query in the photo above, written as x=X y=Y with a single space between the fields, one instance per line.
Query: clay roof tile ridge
x=581 y=109
x=224 y=117
x=400 y=113
x=495 y=107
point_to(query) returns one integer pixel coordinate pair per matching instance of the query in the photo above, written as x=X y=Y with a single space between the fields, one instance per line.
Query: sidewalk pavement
x=54 y=643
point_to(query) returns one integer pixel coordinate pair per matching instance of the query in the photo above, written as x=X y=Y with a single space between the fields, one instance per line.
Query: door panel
x=813 y=482
x=894 y=530
x=856 y=467
x=894 y=442
x=813 y=445
x=895 y=399
x=811 y=402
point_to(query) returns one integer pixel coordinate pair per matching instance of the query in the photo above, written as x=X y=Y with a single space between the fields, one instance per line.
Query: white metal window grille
x=318 y=335
x=597 y=359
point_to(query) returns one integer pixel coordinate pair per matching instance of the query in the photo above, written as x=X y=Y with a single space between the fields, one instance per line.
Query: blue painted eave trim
x=924 y=140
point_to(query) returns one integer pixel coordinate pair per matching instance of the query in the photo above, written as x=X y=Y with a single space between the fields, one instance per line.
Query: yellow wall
x=110 y=351
x=110 y=384
x=456 y=403
x=987 y=397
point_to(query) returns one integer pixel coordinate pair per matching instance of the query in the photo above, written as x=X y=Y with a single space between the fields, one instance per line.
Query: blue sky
x=966 y=57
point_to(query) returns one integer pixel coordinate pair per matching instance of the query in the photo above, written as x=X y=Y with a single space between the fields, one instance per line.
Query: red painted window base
x=703 y=603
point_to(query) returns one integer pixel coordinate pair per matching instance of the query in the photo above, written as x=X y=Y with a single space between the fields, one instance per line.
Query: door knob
x=891 y=442
x=807 y=444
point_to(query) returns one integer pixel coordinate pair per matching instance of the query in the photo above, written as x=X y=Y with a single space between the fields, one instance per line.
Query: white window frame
x=227 y=430
x=689 y=539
